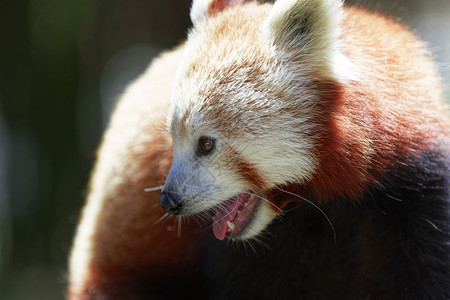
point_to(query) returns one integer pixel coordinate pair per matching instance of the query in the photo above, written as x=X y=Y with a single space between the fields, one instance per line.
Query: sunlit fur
x=246 y=81
x=117 y=196
x=334 y=115
x=199 y=10
x=263 y=81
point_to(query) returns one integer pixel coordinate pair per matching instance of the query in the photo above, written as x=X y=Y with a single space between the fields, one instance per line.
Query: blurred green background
x=63 y=63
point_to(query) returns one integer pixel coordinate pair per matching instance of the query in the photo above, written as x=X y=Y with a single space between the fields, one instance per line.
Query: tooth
x=230 y=225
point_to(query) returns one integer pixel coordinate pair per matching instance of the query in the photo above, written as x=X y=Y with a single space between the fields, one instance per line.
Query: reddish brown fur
x=394 y=112
x=143 y=230
x=220 y=5
x=367 y=130
x=129 y=244
x=248 y=171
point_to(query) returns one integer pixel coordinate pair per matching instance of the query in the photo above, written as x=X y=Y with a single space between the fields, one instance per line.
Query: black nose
x=170 y=202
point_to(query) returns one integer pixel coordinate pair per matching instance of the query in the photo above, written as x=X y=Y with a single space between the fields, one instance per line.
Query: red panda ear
x=310 y=30
x=203 y=8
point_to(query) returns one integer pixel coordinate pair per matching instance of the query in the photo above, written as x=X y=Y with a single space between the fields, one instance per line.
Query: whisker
x=198 y=218
x=153 y=189
x=162 y=218
x=315 y=206
x=264 y=199
x=180 y=219
x=208 y=215
x=199 y=188
x=205 y=216
x=218 y=221
x=221 y=206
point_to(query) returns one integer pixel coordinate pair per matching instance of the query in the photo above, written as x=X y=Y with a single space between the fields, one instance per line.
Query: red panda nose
x=170 y=202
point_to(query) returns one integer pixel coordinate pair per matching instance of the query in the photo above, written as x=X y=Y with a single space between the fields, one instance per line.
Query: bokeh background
x=63 y=63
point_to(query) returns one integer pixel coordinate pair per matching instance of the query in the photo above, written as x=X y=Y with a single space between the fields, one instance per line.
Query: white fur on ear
x=199 y=10
x=310 y=29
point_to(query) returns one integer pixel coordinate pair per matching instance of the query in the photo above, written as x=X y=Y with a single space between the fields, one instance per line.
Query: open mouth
x=234 y=215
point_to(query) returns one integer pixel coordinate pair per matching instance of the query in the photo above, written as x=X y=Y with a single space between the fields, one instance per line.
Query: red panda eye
x=205 y=145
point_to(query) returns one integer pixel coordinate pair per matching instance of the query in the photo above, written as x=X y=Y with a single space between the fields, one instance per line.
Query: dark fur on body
x=392 y=244
x=382 y=179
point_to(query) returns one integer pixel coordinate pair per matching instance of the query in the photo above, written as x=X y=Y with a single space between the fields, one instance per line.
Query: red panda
x=306 y=157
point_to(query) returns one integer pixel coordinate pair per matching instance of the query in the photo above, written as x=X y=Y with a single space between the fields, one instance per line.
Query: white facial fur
x=248 y=81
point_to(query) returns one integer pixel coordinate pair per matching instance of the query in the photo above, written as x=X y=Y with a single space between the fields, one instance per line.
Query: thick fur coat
x=307 y=157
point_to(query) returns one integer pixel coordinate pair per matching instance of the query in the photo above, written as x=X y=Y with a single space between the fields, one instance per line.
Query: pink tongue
x=227 y=213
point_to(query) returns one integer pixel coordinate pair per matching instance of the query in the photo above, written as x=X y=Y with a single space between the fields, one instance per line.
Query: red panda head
x=246 y=105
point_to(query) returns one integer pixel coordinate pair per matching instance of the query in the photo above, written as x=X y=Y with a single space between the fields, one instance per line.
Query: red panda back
x=394 y=110
x=385 y=150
